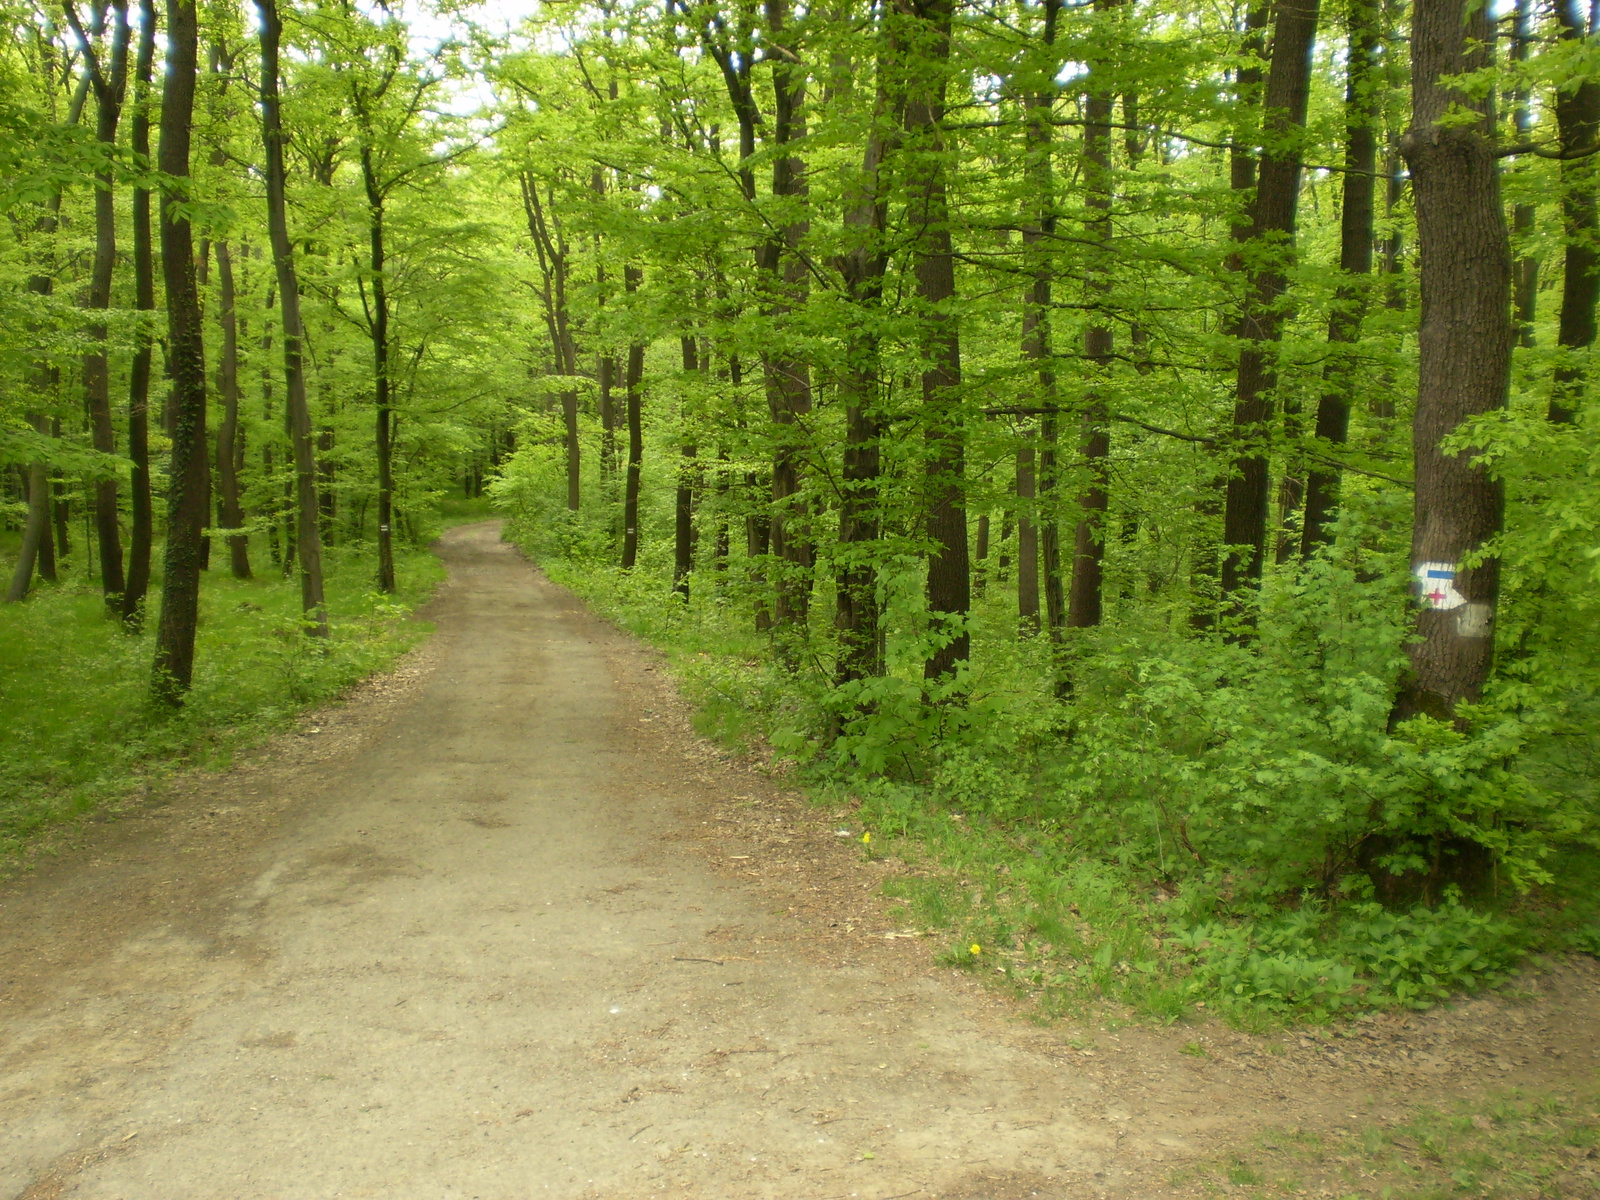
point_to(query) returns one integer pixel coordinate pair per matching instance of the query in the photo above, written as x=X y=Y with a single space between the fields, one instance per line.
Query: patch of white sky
x=433 y=25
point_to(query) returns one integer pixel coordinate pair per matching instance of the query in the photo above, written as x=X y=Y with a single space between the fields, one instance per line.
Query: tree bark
x=551 y=249
x=297 y=411
x=632 y=277
x=1085 y=599
x=1205 y=568
x=1244 y=523
x=1339 y=377
x=35 y=532
x=1525 y=270
x=1027 y=537
x=949 y=584
x=229 y=433
x=142 y=532
x=1578 y=127
x=683 y=508
x=1464 y=361
x=381 y=400
x=186 y=503
x=109 y=82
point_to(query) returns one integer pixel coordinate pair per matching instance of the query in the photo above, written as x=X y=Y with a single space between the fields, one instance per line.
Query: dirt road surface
x=500 y=926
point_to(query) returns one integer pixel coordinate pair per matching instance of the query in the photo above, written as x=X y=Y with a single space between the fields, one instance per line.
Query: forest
x=1141 y=453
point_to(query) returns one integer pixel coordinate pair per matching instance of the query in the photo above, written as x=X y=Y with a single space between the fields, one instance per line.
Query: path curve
x=500 y=927
x=474 y=959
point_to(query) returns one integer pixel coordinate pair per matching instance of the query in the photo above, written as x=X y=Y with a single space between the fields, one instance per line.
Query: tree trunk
x=142 y=534
x=1205 y=568
x=1578 y=126
x=683 y=509
x=1339 y=377
x=1244 y=522
x=1086 y=598
x=862 y=266
x=382 y=429
x=35 y=532
x=788 y=380
x=110 y=85
x=186 y=504
x=632 y=277
x=228 y=433
x=949 y=571
x=1464 y=360
x=1027 y=538
x=1038 y=235
x=297 y=410
x=1525 y=271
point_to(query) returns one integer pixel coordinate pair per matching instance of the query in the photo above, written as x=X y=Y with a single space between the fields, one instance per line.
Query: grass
x=1510 y=1144
x=80 y=736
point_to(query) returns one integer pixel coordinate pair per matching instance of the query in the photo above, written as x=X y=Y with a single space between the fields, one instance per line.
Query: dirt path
x=500 y=927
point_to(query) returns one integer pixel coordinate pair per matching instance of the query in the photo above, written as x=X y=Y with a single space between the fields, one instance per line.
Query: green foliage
x=80 y=734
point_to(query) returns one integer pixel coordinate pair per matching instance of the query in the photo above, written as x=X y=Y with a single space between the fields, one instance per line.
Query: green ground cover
x=79 y=736
x=1067 y=904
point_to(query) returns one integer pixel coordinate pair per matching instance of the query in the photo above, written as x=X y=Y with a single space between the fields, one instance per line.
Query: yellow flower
x=866 y=839
x=975 y=948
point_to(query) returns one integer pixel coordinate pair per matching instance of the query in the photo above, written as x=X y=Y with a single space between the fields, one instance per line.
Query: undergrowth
x=79 y=734
x=1198 y=827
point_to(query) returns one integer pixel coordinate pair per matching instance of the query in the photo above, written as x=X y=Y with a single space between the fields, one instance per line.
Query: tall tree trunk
x=229 y=433
x=1244 y=523
x=1085 y=600
x=297 y=411
x=862 y=266
x=142 y=533
x=949 y=571
x=1578 y=126
x=550 y=245
x=788 y=379
x=110 y=84
x=1038 y=235
x=1339 y=377
x=186 y=503
x=1464 y=360
x=382 y=427
x=1205 y=572
x=683 y=509
x=632 y=277
x=1525 y=271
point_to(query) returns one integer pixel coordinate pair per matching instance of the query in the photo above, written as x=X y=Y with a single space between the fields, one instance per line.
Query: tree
x=186 y=500
x=308 y=538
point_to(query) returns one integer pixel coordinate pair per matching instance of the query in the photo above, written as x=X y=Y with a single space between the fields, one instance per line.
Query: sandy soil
x=501 y=926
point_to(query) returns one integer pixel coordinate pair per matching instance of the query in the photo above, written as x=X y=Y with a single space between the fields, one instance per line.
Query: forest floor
x=500 y=925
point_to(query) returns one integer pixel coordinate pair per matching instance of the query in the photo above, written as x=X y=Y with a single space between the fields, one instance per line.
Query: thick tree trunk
x=632 y=277
x=142 y=532
x=862 y=266
x=110 y=84
x=1578 y=125
x=788 y=379
x=1244 y=522
x=1339 y=377
x=949 y=569
x=1464 y=367
x=186 y=503
x=1205 y=565
x=297 y=411
x=229 y=433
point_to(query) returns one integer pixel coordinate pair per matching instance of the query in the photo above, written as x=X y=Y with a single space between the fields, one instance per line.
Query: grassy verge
x=1510 y=1144
x=79 y=735
x=1058 y=911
